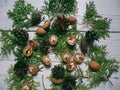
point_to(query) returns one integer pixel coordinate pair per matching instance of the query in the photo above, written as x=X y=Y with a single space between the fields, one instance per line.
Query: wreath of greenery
x=53 y=10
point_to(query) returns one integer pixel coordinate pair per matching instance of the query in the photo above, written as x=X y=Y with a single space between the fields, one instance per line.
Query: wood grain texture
x=107 y=8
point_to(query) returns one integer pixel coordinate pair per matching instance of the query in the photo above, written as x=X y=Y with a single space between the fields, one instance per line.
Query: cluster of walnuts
x=71 y=61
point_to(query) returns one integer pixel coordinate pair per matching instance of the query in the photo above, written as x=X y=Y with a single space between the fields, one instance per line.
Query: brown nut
x=72 y=20
x=71 y=40
x=66 y=56
x=33 y=69
x=40 y=31
x=46 y=24
x=78 y=57
x=33 y=43
x=25 y=86
x=57 y=81
x=94 y=65
x=53 y=39
x=71 y=65
x=46 y=60
x=27 y=51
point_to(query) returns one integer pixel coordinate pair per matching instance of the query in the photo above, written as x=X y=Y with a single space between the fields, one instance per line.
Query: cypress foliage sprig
x=63 y=7
x=99 y=24
x=21 y=14
x=9 y=43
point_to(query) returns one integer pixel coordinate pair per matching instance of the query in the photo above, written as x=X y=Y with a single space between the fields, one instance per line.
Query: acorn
x=33 y=69
x=27 y=51
x=25 y=86
x=33 y=44
x=46 y=60
x=57 y=81
x=41 y=31
x=94 y=65
x=72 y=20
x=46 y=24
x=71 y=40
x=66 y=56
x=53 y=39
x=71 y=65
x=78 y=57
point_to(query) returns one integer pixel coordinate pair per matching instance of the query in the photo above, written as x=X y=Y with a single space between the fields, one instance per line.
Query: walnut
x=57 y=81
x=46 y=60
x=46 y=24
x=71 y=40
x=78 y=57
x=27 y=51
x=33 y=43
x=71 y=65
x=53 y=39
x=33 y=69
x=40 y=31
x=94 y=65
x=66 y=56
x=25 y=86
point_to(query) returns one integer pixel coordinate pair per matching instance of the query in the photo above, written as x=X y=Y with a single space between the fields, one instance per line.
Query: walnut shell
x=57 y=81
x=79 y=57
x=46 y=60
x=66 y=56
x=33 y=43
x=71 y=40
x=25 y=86
x=94 y=65
x=46 y=24
x=40 y=31
x=33 y=69
x=72 y=20
x=71 y=65
x=53 y=39
x=27 y=51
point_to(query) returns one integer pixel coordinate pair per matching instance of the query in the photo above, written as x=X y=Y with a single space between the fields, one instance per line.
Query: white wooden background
x=107 y=8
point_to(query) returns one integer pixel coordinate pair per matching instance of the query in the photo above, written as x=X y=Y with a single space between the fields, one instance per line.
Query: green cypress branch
x=20 y=14
x=53 y=7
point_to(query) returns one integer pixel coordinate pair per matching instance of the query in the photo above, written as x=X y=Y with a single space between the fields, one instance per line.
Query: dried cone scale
x=27 y=51
x=53 y=39
x=25 y=86
x=33 y=69
x=94 y=65
x=78 y=57
x=41 y=31
x=46 y=60
x=71 y=65
x=72 y=20
x=33 y=44
x=66 y=56
x=71 y=40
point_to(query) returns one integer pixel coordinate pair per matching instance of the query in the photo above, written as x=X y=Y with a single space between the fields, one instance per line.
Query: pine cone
x=21 y=36
x=20 y=68
x=69 y=83
x=90 y=37
x=36 y=18
x=61 y=23
x=44 y=46
x=84 y=46
x=58 y=72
